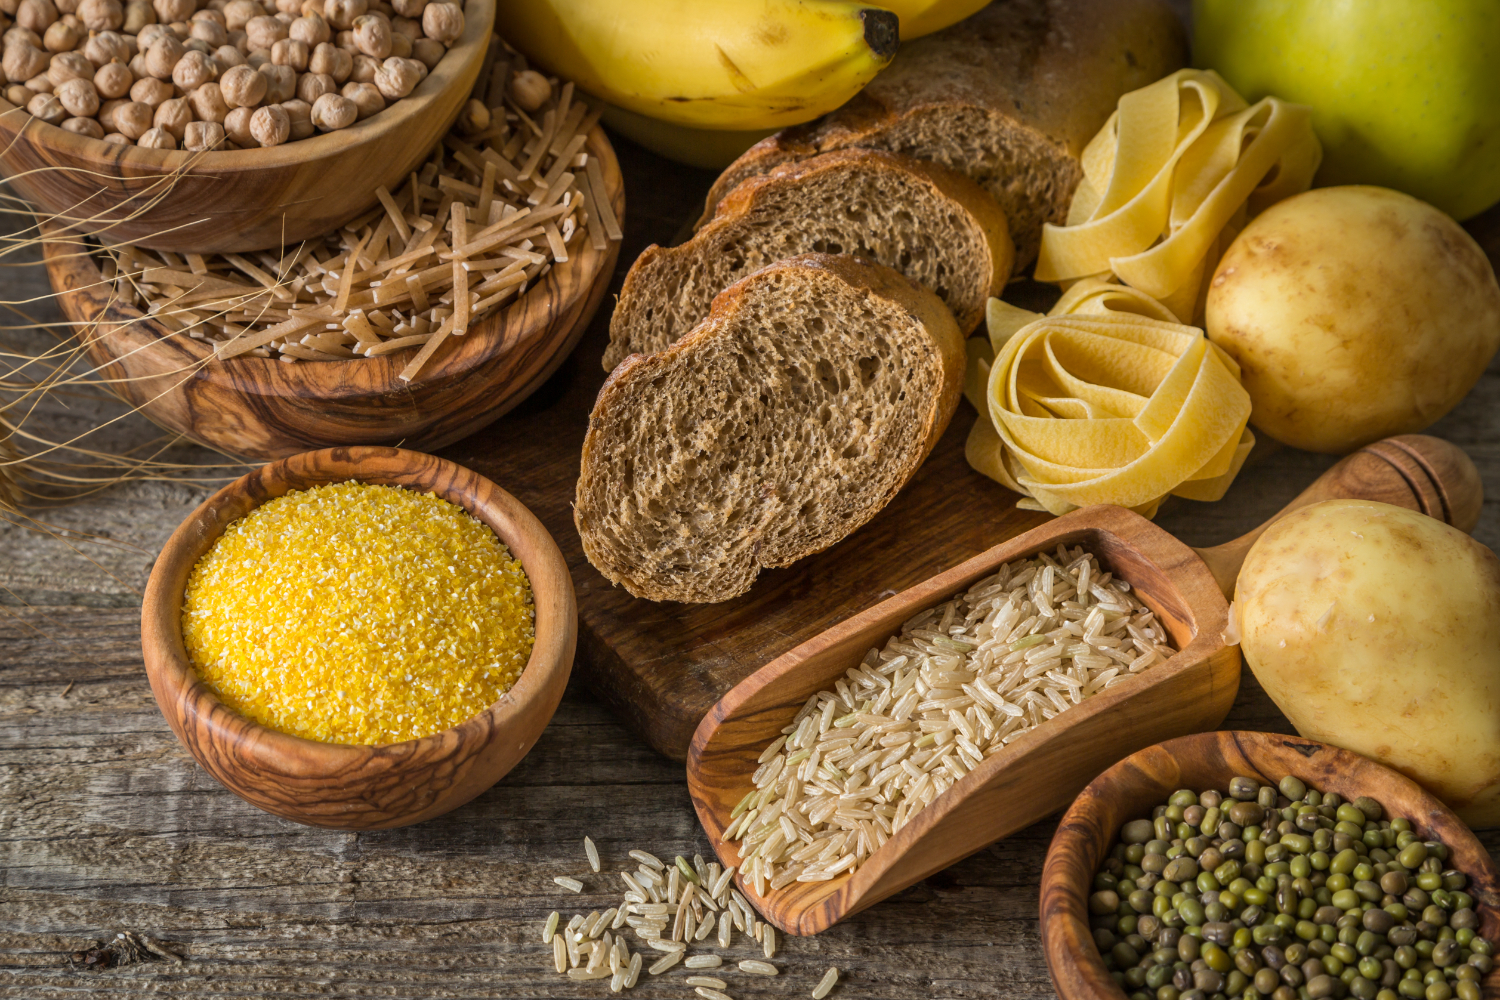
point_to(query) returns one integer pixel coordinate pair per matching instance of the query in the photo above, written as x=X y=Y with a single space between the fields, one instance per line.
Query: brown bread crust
x=782 y=423
x=933 y=224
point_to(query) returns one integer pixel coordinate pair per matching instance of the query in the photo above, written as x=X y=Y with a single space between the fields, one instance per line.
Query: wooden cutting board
x=661 y=666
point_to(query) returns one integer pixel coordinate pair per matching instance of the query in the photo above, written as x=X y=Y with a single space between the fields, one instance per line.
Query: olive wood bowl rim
x=1206 y=621
x=1073 y=961
x=455 y=357
x=196 y=701
x=142 y=164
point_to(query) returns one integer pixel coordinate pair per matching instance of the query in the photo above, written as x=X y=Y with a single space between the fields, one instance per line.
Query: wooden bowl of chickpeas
x=221 y=126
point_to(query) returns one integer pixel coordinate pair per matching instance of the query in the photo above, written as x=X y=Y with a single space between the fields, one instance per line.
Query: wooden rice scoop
x=1043 y=770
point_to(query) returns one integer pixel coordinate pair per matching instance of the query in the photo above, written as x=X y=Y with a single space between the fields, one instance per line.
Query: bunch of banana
x=675 y=69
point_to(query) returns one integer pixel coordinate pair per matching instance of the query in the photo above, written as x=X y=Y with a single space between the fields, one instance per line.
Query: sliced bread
x=1009 y=97
x=935 y=226
x=787 y=419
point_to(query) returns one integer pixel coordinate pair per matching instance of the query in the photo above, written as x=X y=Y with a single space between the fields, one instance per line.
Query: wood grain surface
x=249 y=199
x=265 y=408
x=1132 y=787
x=107 y=824
x=360 y=787
x=1029 y=779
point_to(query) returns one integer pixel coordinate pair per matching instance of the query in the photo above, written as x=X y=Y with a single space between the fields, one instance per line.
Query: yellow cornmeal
x=358 y=614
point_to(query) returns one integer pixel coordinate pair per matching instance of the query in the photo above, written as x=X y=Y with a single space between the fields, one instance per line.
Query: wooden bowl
x=360 y=787
x=264 y=408
x=249 y=199
x=1040 y=773
x=1130 y=789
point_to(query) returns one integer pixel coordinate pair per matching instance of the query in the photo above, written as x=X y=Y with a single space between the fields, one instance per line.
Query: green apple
x=1405 y=93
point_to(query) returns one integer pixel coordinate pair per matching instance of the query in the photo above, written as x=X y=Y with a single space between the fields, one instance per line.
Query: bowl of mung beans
x=359 y=638
x=1266 y=867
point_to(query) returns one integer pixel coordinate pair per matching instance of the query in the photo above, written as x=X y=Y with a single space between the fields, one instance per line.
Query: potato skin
x=1355 y=313
x=1405 y=667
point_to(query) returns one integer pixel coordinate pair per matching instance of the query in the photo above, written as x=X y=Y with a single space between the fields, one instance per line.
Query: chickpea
x=22 y=62
x=174 y=116
x=84 y=126
x=331 y=61
x=201 y=137
x=39 y=84
x=263 y=32
x=138 y=14
x=341 y=13
x=428 y=51
x=209 y=32
x=412 y=29
x=281 y=83
x=118 y=139
x=258 y=58
x=149 y=34
x=443 y=21
x=150 y=91
x=242 y=87
x=113 y=80
x=238 y=13
x=60 y=37
x=474 y=117
x=193 y=70
x=210 y=14
x=69 y=66
x=311 y=7
x=157 y=138
x=163 y=55
x=137 y=66
x=78 y=97
x=299 y=113
x=9 y=7
x=18 y=95
x=400 y=45
x=366 y=98
x=208 y=103
x=270 y=125
x=311 y=29
x=36 y=15
x=48 y=108
x=17 y=35
x=101 y=15
x=133 y=119
x=168 y=11
x=530 y=89
x=106 y=114
x=311 y=86
x=344 y=40
x=237 y=126
x=410 y=8
x=372 y=36
x=334 y=111
x=227 y=56
x=106 y=47
x=292 y=8
x=364 y=69
x=291 y=52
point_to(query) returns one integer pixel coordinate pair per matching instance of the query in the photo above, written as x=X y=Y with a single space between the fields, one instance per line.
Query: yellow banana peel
x=923 y=17
x=709 y=148
x=737 y=65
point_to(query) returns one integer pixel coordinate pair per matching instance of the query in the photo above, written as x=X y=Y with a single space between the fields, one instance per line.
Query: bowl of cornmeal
x=359 y=638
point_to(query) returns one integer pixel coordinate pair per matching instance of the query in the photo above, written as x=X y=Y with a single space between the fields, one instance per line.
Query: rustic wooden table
x=107 y=826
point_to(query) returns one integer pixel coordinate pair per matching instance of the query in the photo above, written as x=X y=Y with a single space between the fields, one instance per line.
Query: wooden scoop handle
x=1413 y=471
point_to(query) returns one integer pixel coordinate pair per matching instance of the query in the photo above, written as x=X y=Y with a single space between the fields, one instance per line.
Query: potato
x=1377 y=629
x=1355 y=313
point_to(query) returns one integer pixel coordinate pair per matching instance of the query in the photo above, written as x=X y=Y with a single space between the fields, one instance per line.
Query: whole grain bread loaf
x=935 y=226
x=784 y=421
x=1009 y=97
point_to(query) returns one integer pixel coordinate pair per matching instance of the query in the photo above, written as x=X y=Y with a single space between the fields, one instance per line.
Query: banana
x=923 y=17
x=740 y=65
x=708 y=148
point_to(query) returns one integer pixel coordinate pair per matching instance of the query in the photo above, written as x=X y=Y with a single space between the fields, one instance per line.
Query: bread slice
x=783 y=422
x=1008 y=97
x=937 y=227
